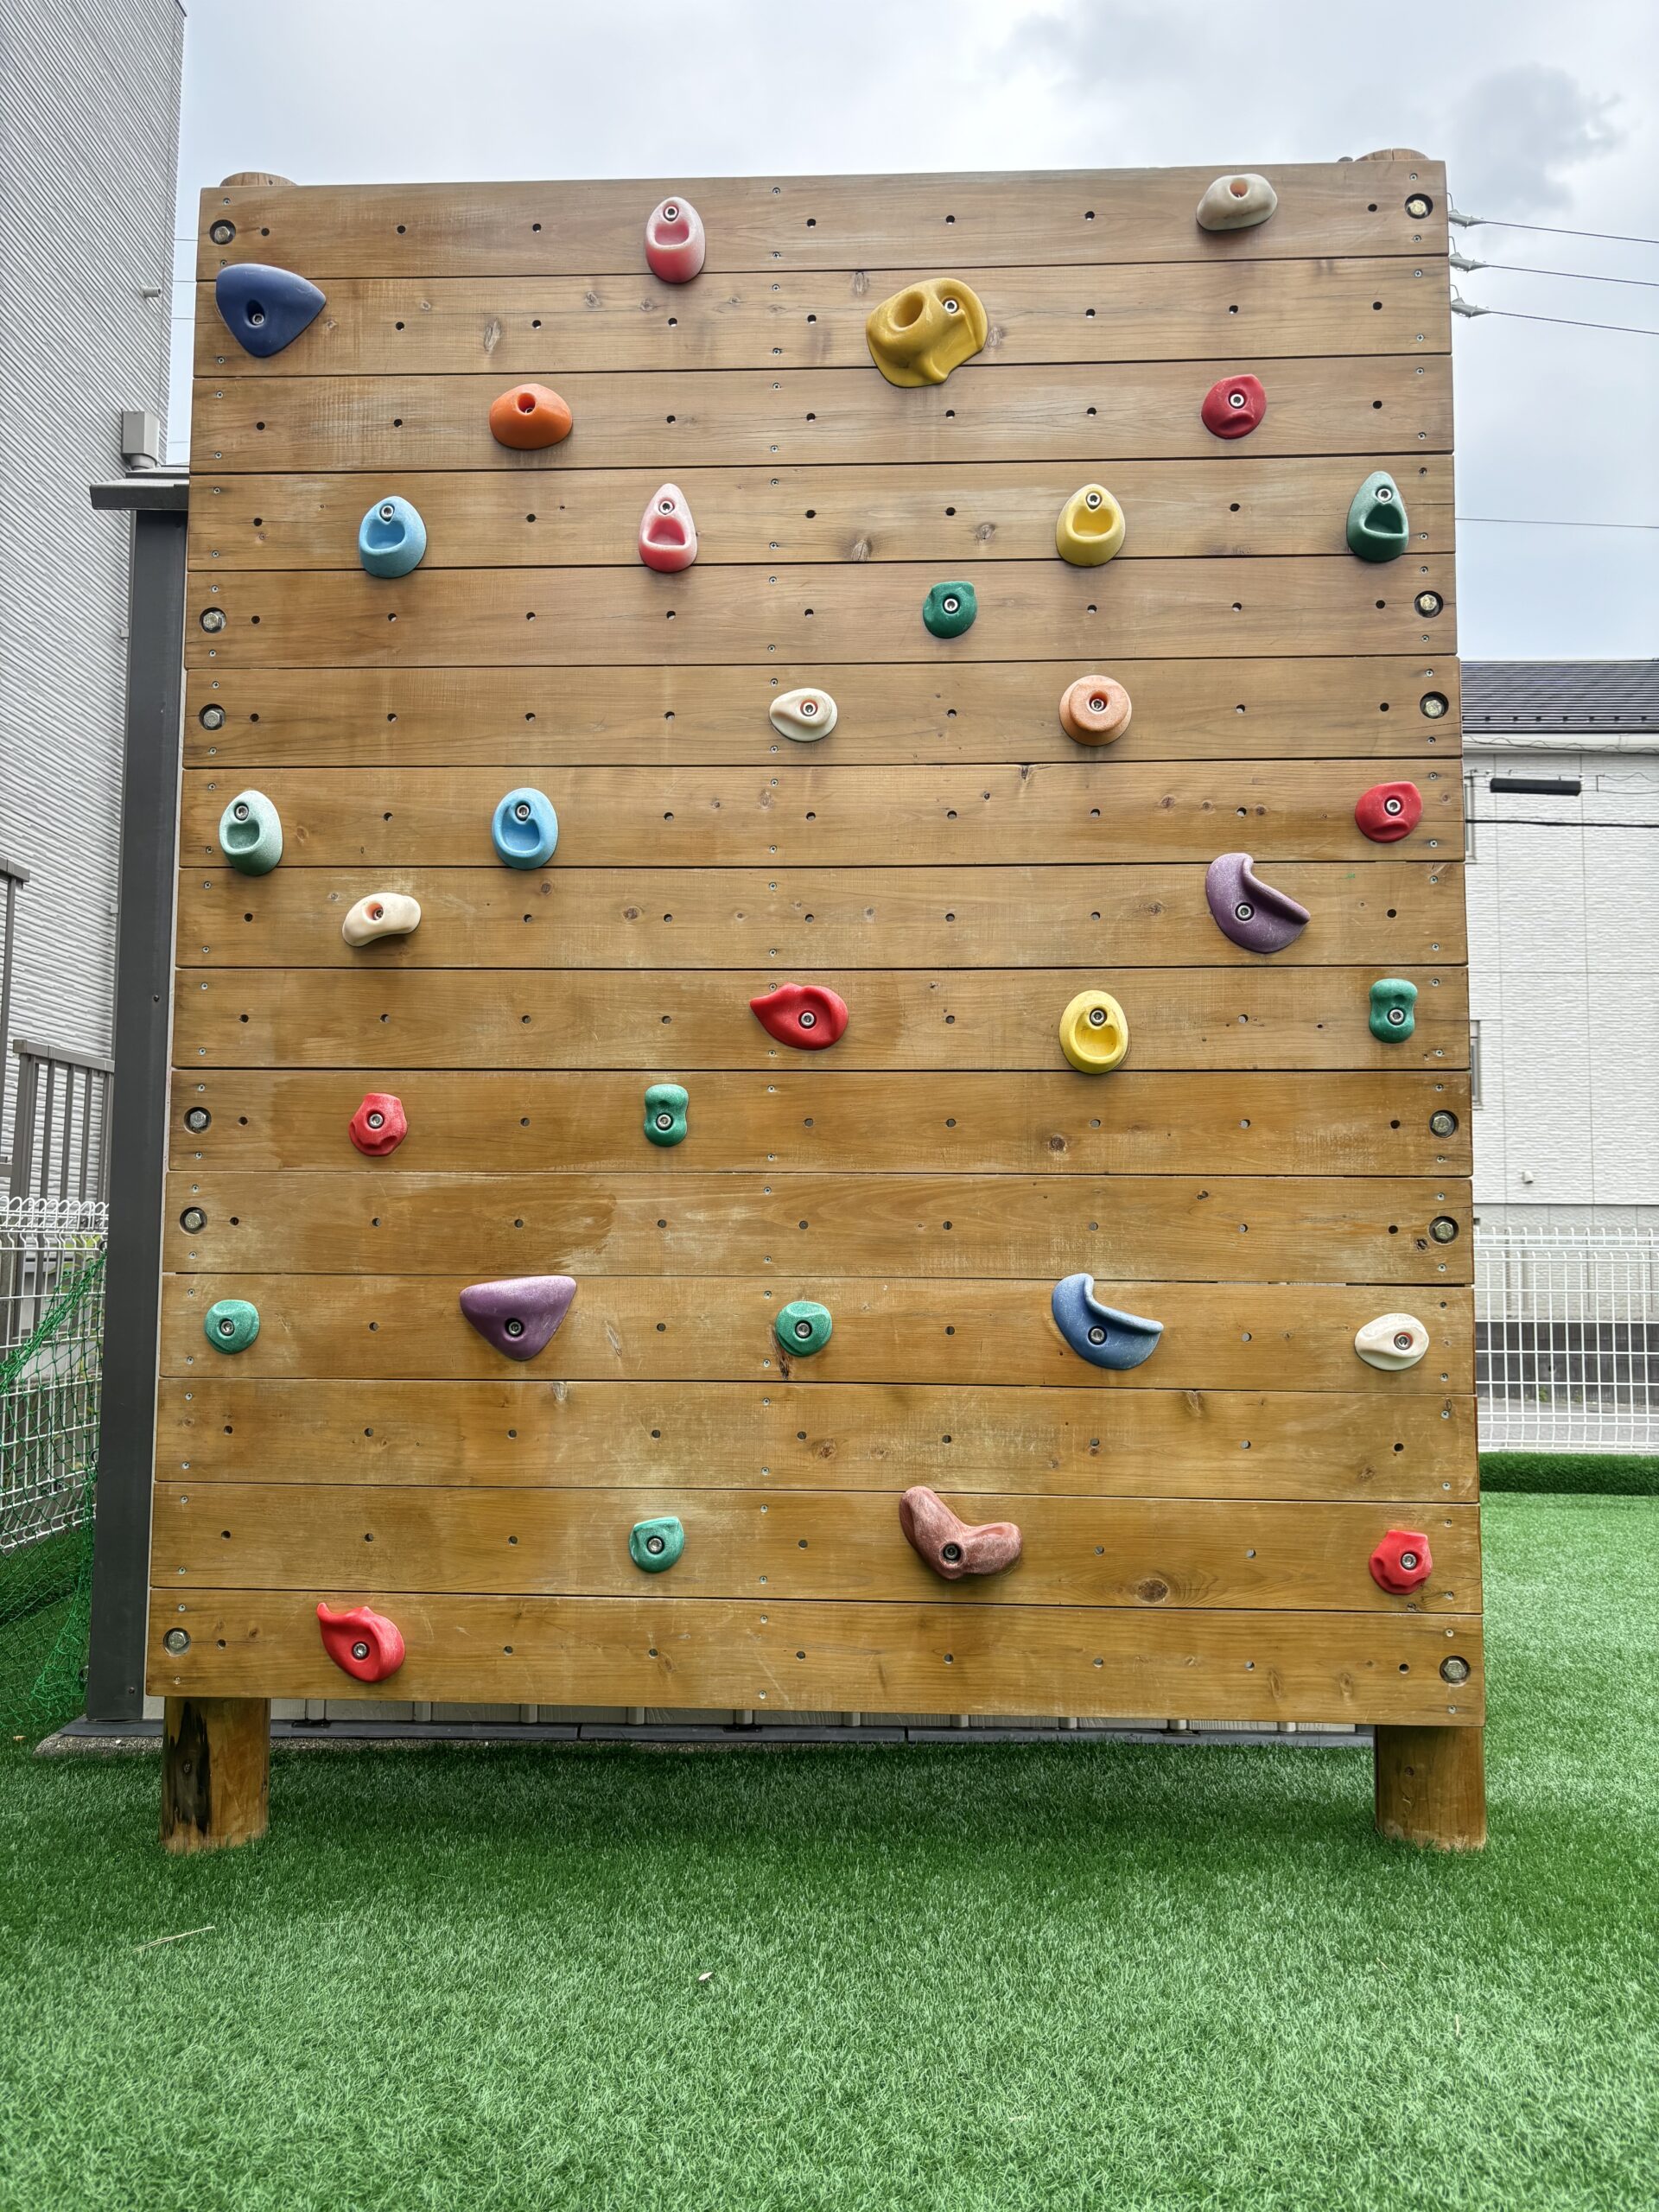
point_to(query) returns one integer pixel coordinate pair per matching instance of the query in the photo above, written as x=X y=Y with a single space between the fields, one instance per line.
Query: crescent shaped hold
x=1103 y=1335
x=1251 y=912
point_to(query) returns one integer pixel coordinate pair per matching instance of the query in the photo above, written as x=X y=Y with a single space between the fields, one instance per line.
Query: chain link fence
x=1567 y=1334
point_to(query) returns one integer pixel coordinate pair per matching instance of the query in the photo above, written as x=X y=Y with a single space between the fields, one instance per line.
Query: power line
x=1553 y=522
x=1462 y=261
x=1552 y=230
x=1547 y=822
x=1566 y=321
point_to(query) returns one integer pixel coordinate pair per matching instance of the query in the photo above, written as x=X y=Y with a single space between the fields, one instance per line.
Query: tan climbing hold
x=383 y=913
x=804 y=714
x=1095 y=710
x=1236 y=203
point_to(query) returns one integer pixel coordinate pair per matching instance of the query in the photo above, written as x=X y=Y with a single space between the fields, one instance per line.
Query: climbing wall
x=1214 y=1527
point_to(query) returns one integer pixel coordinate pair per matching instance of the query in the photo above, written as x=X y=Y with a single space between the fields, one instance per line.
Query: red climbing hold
x=675 y=243
x=361 y=1643
x=379 y=1124
x=804 y=1015
x=668 y=536
x=1403 y=1561
x=1232 y=408
x=1389 y=811
x=950 y=1547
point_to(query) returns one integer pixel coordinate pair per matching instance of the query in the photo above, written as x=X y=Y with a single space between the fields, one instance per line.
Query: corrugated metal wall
x=88 y=164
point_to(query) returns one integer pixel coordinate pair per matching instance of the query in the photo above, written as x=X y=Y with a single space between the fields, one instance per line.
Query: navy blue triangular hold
x=265 y=309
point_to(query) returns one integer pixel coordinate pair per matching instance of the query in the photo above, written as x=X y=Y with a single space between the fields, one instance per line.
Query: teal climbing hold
x=1394 y=1008
x=525 y=830
x=949 y=609
x=391 y=538
x=665 y=1107
x=655 y=1545
x=1377 y=529
x=804 y=1327
x=250 y=834
x=231 y=1324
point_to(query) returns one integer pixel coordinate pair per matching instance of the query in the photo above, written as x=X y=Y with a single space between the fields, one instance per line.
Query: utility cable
x=1553 y=522
x=1462 y=261
x=1553 y=230
x=1460 y=306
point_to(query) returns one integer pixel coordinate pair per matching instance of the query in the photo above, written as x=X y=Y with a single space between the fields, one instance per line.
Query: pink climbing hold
x=951 y=1546
x=521 y=1316
x=361 y=1643
x=668 y=536
x=675 y=244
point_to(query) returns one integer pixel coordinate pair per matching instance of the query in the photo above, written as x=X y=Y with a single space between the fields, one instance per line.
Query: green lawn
x=1085 y=1977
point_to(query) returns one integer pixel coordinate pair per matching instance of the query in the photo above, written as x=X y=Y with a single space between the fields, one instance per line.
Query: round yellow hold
x=1090 y=527
x=1095 y=1033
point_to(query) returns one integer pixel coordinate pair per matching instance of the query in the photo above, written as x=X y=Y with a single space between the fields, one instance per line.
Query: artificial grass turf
x=1085 y=1976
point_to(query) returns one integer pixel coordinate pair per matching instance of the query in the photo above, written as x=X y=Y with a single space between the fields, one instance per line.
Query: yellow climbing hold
x=923 y=332
x=1090 y=527
x=1095 y=1033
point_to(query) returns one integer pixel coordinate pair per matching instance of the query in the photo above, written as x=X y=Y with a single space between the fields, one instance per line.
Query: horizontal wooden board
x=679 y=717
x=995 y=512
x=672 y=1023
x=1247 y=1229
x=979 y=219
x=1394 y=1444
x=796 y=1543
x=1234 y=1336
x=752 y=1654
x=546 y=327
x=676 y=419
x=1057 y=1122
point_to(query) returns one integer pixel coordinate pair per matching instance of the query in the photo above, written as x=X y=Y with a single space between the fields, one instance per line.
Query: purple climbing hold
x=519 y=1317
x=1250 y=911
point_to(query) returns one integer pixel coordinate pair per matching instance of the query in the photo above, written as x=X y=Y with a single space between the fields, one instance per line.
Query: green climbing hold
x=250 y=834
x=949 y=609
x=804 y=1327
x=1377 y=529
x=665 y=1105
x=232 y=1325
x=655 y=1545
x=1394 y=1003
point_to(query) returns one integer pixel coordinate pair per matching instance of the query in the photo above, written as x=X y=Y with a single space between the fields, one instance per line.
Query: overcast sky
x=1543 y=113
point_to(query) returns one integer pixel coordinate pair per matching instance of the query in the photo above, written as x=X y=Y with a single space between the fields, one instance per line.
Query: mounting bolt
x=1454 y=1669
x=197 y=1119
x=1443 y=1229
x=1419 y=205
x=221 y=233
x=1429 y=602
x=191 y=1219
x=177 y=1639
x=1443 y=1122
x=212 y=718
x=213 y=617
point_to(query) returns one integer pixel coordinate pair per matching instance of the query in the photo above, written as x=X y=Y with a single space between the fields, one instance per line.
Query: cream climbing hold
x=668 y=536
x=805 y=714
x=1393 y=1340
x=1095 y=710
x=1090 y=527
x=1095 y=1033
x=923 y=332
x=1237 y=203
x=675 y=244
x=383 y=913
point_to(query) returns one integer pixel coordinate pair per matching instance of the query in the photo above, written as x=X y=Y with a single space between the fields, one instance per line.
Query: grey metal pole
x=136 y=1149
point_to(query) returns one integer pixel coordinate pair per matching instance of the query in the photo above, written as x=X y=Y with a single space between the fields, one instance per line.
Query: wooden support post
x=1431 y=1787
x=215 y=1771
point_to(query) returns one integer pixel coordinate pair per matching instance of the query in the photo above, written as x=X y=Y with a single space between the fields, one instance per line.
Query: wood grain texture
x=674 y=1022
x=1397 y=1446
x=796 y=1543
x=655 y=1650
x=1183 y=509
x=1249 y=1229
x=215 y=1772
x=670 y=420
x=1059 y=1122
x=808 y=811
x=977 y=219
x=1431 y=1787
x=680 y=717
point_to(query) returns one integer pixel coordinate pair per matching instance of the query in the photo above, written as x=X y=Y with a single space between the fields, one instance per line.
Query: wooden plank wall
x=1261 y=1175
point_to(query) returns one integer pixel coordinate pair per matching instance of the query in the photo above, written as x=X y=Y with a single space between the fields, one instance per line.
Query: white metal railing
x=1566 y=1328
x=60 y=1133
x=51 y=1363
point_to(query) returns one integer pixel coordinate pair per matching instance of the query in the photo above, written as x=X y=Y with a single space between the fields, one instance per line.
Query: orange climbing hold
x=529 y=416
x=1095 y=710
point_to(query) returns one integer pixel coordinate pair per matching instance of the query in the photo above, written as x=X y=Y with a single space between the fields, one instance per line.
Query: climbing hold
x=949 y=609
x=1101 y=1334
x=265 y=309
x=1377 y=528
x=1237 y=203
x=1233 y=408
x=950 y=1547
x=1095 y=710
x=527 y=417
x=521 y=1316
x=250 y=834
x=666 y=1108
x=668 y=536
x=1249 y=910
x=804 y=714
x=1392 y=1341
x=804 y=1327
x=804 y=1015
x=1403 y=1561
x=1095 y=1033
x=362 y=1643
x=383 y=913
x=655 y=1545
x=1393 y=1014
x=379 y=1124
x=1090 y=527
x=524 y=830
x=1388 y=812
x=675 y=244
x=390 y=538
x=231 y=1324
x=923 y=332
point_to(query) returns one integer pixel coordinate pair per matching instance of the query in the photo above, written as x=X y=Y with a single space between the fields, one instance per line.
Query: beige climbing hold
x=1393 y=1340
x=804 y=714
x=1236 y=203
x=383 y=913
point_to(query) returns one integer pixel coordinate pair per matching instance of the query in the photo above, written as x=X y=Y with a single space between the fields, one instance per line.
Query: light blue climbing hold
x=265 y=309
x=1101 y=1334
x=250 y=834
x=655 y=1545
x=231 y=1324
x=391 y=538
x=525 y=830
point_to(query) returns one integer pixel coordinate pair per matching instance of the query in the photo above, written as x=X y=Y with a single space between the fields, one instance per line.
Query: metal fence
x=51 y=1347
x=1567 y=1334
x=59 y=1140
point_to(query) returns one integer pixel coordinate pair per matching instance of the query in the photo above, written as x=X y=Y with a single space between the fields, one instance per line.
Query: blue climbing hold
x=525 y=830
x=1101 y=1334
x=390 y=538
x=265 y=309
